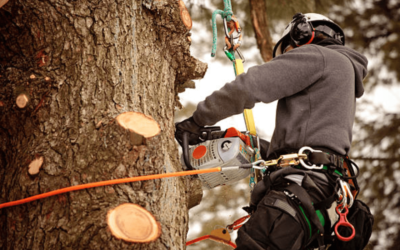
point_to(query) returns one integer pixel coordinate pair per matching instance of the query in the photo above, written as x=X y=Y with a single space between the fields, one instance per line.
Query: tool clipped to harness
x=345 y=200
x=344 y=223
x=220 y=235
x=232 y=154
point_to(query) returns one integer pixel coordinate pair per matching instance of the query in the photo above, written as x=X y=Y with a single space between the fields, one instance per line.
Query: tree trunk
x=258 y=11
x=81 y=64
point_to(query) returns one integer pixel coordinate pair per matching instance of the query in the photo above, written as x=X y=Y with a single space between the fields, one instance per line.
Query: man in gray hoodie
x=316 y=80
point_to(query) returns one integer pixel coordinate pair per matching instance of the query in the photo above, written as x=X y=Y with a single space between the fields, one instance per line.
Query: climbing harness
x=319 y=162
x=292 y=162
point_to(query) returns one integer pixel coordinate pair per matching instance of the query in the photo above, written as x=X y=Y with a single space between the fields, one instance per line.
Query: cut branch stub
x=2 y=2
x=185 y=16
x=35 y=165
x=140 y=125
x=132 y=223
x=22 y=100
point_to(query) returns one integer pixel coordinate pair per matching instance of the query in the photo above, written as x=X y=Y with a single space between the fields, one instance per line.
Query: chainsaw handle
x=206 y=134
x=185 y=150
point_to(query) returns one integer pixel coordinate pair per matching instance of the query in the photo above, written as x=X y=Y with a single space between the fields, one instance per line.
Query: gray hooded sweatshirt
x=316 y=87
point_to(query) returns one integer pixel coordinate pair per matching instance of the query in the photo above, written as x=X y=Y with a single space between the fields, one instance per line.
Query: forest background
x=372 y=27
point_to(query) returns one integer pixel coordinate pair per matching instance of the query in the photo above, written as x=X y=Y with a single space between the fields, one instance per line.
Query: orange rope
x=105 y=183
x=205 y=237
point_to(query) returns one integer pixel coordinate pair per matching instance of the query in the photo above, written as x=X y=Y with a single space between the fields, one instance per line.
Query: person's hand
x=190 y=126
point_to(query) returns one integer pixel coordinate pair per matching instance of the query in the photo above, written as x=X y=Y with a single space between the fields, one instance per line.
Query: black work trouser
x=280 y=221
x=276 y=224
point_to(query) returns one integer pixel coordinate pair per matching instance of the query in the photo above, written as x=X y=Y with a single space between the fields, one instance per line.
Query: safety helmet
x=301 y=30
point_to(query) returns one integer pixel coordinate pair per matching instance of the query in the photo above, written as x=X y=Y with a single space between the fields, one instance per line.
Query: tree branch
x=259 y=20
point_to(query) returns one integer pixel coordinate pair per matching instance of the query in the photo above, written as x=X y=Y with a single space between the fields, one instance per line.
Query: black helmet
x=301 y=30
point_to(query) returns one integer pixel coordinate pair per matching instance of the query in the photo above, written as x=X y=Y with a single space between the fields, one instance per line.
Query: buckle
x=286 y=160
x=301 y=151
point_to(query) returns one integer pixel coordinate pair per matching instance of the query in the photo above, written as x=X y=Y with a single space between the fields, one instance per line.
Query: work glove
x=190 y=126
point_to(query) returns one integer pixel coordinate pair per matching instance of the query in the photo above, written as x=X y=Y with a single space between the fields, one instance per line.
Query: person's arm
x=284 y=76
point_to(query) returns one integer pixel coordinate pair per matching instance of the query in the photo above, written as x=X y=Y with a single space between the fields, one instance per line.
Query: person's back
x=322 y=113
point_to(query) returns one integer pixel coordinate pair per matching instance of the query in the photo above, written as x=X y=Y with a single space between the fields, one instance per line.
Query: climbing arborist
x=316 y=80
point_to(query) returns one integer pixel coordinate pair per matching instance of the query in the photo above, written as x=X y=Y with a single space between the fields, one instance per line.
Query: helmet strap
x=311 y=39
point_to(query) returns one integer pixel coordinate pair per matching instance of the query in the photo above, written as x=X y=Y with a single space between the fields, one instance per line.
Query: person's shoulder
x=345 y=51
x=308 y=50
x=331 y=51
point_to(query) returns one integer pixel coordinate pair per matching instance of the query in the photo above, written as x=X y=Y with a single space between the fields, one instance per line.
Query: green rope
x=226 y=13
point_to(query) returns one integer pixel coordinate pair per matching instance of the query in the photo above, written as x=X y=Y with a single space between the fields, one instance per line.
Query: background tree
x=80 y=64
x=373 y=27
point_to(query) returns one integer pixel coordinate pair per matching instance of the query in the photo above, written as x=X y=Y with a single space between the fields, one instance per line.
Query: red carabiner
x=344 y=223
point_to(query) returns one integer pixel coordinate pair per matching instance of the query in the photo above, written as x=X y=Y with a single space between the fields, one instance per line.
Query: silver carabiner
x=239 y=31
x=343 y=194
x=241 y=55
x=346 y=192
x=302 y=161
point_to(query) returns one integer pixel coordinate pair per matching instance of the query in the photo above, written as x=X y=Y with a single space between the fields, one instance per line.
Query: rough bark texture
x=92 y=60
x=259 y=20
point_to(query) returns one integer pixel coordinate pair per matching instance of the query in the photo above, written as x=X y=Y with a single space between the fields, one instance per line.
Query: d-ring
x=302 y=161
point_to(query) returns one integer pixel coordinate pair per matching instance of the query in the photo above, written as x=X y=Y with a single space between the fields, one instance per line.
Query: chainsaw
x=219 y=150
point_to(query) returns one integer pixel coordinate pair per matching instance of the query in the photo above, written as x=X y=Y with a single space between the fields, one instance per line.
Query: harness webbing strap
x=338 y=163
x=248 y=113
x=309 y=210
x=323 y=158
x=306 y=203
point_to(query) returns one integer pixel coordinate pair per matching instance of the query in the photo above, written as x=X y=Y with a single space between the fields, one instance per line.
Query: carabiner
x=302 y=161
x=342 y=196
x=347 y=195
x=232 y=57
x=241 y=55
x=238 y=30
x=344 y=223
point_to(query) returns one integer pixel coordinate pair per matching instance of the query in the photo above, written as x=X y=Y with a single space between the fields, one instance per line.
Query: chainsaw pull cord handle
x=185 y=150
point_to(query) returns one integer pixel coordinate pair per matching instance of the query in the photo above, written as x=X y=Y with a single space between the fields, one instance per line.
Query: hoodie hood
x=360 y=63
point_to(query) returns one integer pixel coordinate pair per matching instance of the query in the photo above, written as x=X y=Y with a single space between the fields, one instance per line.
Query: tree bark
x=92 y=60
x=259 y=19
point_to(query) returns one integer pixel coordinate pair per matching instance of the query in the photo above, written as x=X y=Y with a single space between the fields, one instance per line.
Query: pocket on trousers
x=279 y=221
